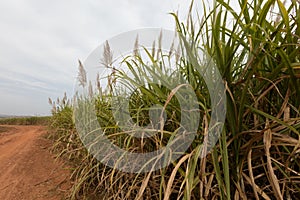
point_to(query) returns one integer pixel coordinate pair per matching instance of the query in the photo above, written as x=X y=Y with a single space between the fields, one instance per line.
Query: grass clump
x=256 y=49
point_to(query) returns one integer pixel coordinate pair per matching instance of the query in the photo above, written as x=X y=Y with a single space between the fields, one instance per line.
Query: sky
x=41 y=42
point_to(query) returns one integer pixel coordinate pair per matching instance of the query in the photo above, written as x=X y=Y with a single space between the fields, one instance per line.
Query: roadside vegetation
x=35 y=120
x=256 y=49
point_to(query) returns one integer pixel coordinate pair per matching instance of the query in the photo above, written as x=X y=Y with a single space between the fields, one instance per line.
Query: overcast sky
x=41 y=42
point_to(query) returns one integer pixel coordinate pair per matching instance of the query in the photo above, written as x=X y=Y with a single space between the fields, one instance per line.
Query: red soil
x=27 y=169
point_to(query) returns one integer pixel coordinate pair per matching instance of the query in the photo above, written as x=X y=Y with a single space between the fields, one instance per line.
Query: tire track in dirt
x=27 y=169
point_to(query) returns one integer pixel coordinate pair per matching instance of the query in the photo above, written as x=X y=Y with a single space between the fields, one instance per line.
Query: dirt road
x=27 y=169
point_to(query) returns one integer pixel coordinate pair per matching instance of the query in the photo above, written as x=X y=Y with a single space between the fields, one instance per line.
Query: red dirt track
x=27 y=169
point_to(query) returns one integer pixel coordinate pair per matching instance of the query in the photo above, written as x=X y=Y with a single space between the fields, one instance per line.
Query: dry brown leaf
x=171 y=180
x=260 y=191
x=251 y=174
x=143 y=186
x=286 y=115
x=271 y=175
x=208 y=185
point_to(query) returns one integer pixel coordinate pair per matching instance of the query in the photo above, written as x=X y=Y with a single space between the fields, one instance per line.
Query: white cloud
x=41 y=41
